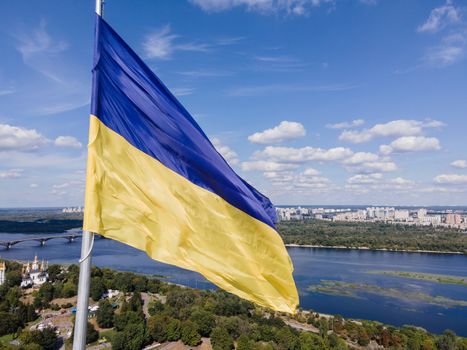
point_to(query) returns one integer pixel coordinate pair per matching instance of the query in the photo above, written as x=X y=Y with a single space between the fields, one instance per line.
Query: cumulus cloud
x=346 y=125
x=68 y=141
x=401 y=181
x=461 y=164
x=440 y=17
x=161 y=44
x=367 y=162
x=303 y=154
x=14 y=138
x=269 y=166
x=11 y=174
x=308 y=179
x=229 y=155
x=311 y=172
x=290 y=7
x=411 y=144
x=365 y=179
x=375 y=182
x=400 y=127
x=361 y=157
x=380 y=166
x=450 y=179
x=284 y=131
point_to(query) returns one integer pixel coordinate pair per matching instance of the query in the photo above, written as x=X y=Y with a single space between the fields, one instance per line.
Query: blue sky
x=312 y=101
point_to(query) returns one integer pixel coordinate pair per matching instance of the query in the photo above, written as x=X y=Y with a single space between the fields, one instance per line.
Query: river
x=312 y=265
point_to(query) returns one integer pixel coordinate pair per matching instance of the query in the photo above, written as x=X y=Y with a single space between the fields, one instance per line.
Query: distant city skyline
x=312 y=102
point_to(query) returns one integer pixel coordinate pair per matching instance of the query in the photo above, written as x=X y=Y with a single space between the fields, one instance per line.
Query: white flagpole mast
x=81 y=320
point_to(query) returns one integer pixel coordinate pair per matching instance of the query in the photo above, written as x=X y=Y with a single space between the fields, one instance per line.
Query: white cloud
x=229 y=155
x=380 y=166
x=284 y=131
x=441 y=17
x=304 y=154
x=160 y=44
x=33 y=185
x=376 y=183
x=268 y=166
x=260 y=90
x=361 y=157
x=451 y=179
x=11 y=173
x=65 y=86
x=311 y=172
x=411 y=144
x=14 y=138
x=182 y=91
x=451 y=50
x=279 y=64
x=346 y=125
x=291 y=7
x=400 y=127
x=60 y=186
x=68 y=141
x=401 y=181
x=39 y=41
x=291 y=181
x=461 y=164
x=365 y=179
x=367 y=162
x=279 y=176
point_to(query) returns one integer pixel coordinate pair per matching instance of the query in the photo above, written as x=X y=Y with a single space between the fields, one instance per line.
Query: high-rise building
x=453 y=219
x=421 y=214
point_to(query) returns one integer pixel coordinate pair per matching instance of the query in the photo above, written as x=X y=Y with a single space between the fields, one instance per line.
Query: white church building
x=35 y=273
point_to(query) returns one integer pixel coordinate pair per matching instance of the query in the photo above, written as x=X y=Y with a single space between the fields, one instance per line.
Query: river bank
x=375 y=249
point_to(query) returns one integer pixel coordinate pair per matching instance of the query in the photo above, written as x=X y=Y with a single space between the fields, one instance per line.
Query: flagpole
x=87 y=242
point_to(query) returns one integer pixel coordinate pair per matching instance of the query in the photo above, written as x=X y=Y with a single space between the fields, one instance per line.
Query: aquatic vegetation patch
x=357 y=290
x=423 y=276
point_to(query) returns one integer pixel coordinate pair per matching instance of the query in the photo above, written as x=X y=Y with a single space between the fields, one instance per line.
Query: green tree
x=135 y=303
x=286 y=339
x=157 y=328
x=447 y=341
x=204 y=321
x=46 y=339
x=190 y=335
x=124 y=318
x=97 y=288
x=174 y=330
x=54 y=272
x=9 y=322
x=46 y=292
x=155 y=307
x=244 y=343
x=221 y=339
x=69 y=289
x=310 y=341
x=91 y=334
x=131 y=338
x=13 y=278
x=12 y=296
x=105 y=314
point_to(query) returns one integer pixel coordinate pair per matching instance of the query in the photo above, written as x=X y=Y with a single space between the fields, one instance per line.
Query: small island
x=423 y=276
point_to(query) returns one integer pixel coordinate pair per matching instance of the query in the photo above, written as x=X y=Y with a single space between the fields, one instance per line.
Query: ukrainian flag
x=155 y=182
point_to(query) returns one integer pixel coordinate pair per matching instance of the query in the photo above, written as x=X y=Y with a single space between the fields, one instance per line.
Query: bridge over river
x=70 y=237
